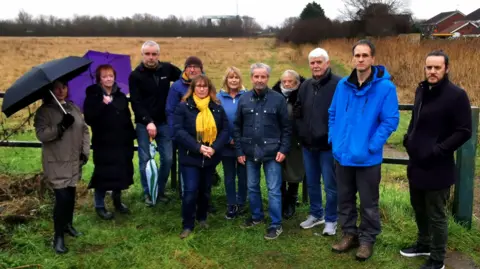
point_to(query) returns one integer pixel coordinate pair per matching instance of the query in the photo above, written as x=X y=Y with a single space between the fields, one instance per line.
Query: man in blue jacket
x=262 y=133
x=362 y=116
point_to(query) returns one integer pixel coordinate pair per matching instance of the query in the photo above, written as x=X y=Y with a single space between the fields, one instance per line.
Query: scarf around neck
x=288 y=91
x=205 y=123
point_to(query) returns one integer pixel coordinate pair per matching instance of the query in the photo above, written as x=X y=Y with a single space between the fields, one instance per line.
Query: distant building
x=452 y=24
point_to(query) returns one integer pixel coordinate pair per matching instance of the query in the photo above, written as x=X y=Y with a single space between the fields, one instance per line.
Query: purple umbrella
x=121 y=64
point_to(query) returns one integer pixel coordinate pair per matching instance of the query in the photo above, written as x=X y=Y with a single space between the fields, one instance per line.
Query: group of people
x=300 y=129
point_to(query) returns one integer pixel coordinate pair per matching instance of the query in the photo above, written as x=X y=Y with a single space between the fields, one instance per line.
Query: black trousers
x=365 y=181
x=431 y=218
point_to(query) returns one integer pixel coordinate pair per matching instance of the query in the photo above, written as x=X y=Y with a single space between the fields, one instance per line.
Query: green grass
x=148 y=238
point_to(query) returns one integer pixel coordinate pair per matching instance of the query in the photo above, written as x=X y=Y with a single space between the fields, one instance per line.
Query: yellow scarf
x=205 y=123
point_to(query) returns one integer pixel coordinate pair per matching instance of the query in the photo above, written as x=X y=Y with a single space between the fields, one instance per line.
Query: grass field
x=148 y=238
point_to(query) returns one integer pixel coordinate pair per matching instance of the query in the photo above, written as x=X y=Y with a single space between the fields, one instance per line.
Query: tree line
x=137 y=25
x=376 y=18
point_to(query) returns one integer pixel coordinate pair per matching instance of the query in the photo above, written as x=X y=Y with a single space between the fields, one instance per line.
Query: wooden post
x=463 y=198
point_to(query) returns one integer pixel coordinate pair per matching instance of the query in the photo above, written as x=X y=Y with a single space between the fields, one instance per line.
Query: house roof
x=474 y=16
x=457 y=25
x=442 y=16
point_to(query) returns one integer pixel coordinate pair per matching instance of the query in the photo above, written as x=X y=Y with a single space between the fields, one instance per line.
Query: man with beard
x=441 y=122
x=262 y=129
x=362 y=116
x=149 y=84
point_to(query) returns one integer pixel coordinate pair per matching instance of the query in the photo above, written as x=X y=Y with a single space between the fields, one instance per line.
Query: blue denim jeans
x=99 y=197
x=321 y=164
x=231 y=170
x=273 y=176
x=197 y=186
x=164 y=148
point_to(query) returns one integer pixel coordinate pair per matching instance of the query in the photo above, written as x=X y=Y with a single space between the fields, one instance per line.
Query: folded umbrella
x=152 y=173
x=34 y=84
x=119 y=62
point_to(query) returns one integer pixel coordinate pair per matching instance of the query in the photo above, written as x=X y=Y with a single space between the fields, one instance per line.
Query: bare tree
x=355 y=9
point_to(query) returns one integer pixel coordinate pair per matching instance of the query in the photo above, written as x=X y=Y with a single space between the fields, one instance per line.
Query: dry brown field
x=404 y=57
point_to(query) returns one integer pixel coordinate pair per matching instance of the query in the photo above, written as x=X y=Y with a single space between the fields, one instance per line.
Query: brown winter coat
x=61 y=153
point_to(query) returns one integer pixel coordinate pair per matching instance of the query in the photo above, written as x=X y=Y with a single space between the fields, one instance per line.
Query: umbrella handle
x=58 y=102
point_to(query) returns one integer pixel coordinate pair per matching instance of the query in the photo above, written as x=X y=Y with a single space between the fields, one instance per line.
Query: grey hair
x=150 y=43
x=260 y=66
x=292 y=73
x=318 y=52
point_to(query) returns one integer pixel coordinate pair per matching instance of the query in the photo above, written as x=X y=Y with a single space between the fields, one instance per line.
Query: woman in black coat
x=106 y=111
x=293 y=171
x=201 y=130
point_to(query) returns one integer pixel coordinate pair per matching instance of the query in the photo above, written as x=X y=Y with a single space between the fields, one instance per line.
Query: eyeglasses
x=150 y=53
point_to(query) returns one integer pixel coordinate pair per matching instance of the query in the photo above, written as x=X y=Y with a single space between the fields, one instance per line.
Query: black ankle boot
x=59 y=244
x=117 y=202
x=103 y=213
x=70 y=230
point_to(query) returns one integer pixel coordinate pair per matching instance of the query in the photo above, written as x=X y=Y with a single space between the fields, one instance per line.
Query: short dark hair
x=439 y=53
x=365 y=42
x=104 y=67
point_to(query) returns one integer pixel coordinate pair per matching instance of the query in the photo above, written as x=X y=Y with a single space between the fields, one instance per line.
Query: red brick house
x=441 y=21
x=463 y=28
x=474 y=17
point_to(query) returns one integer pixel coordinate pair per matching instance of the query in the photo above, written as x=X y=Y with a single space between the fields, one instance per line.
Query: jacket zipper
x=364 y=105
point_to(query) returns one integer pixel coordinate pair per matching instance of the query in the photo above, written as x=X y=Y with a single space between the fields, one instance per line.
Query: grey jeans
x=431 y=218
x=365 y=181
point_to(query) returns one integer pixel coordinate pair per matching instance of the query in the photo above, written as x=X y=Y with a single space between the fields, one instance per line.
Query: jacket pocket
x=270 y=117
x=270 y=146
x=246 y=145
x=248 y=116
x=359 y=152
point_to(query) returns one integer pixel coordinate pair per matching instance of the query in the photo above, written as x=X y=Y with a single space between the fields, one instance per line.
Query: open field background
x=149 y=237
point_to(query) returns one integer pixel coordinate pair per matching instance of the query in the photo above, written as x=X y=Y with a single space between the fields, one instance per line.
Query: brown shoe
x=347 y=242
x=364 y=252
x=185 y=233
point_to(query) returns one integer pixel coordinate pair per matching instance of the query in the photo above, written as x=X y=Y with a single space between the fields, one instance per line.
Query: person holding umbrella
x=106 y=111
x=201 y=131
x=65 y=149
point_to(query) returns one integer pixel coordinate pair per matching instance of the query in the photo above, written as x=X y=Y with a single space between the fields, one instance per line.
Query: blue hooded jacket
x=229 y=104
x=178 y=89
x=362 y=119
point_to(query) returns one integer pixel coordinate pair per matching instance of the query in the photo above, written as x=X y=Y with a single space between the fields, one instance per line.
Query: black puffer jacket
x=314 y=99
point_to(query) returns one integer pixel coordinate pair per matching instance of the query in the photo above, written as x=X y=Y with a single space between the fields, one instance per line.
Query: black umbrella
x=34 y=84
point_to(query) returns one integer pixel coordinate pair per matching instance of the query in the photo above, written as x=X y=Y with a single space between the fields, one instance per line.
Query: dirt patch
x=457 y=260
x=391 y=152
x=20 y=198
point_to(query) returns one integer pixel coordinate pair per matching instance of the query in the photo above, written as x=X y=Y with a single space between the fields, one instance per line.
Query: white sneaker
x=312 y=222
x=330 y=228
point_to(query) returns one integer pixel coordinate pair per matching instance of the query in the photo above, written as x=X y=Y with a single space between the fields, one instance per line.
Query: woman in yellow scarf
x=201 y=130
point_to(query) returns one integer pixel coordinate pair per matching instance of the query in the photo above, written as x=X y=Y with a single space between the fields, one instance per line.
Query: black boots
x=117 y=202
x=103 y=213
x=69 y=229
x=59 y=244
x=289 y=199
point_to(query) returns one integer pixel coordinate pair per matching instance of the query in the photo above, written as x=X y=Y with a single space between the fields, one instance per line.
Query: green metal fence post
x=466 y=154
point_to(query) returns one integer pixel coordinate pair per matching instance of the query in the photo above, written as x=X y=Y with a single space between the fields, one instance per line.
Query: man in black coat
x=149 y=84
x=311 y=110
x=441 y=123
x=262 y=132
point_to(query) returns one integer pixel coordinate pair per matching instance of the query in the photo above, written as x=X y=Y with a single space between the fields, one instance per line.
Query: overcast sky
x=266 y=12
